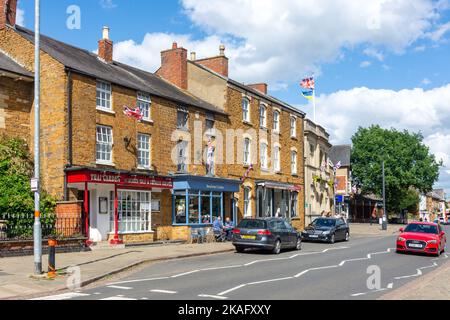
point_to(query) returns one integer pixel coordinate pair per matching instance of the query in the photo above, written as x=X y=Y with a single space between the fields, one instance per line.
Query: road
x=317 y=272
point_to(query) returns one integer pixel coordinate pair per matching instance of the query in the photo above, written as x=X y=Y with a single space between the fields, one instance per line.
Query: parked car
x=422 y=237
x=271 y=234
x=327 y=229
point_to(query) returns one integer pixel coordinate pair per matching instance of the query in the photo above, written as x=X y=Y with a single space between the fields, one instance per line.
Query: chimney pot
x=222 y=50
x=193 y=56
x=174 y=45
x=106 y=33
x=105 y=47
x=8 y=13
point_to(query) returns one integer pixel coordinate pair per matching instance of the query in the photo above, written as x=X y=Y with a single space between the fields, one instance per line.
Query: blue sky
x=379 y=62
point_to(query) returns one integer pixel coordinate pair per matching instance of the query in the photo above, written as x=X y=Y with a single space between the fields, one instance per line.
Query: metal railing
x=19 y=227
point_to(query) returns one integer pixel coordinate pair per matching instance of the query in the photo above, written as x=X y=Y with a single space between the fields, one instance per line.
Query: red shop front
x=117 y=203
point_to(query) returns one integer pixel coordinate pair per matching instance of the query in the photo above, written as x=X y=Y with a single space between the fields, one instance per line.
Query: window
x=247 y=148
x=104 y=144
x=294 y=162
x=182 y=156
x=134 y=211
x=276 y=121
x=182 y=118
x=144 y=102
x=209 y=124
x=293 y=127
x=263 y=155
x=247 y=212
x=103 y=95
x=294 y=204
x=276 y=159
x=143 y=151
x=180 y=207
x=263 y=116
x=245 y=110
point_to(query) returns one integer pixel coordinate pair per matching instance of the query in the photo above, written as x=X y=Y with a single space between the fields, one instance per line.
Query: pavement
x=102 y=267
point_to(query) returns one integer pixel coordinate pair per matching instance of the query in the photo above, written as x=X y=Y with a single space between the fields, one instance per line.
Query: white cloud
x=371 y=52
x=365 y=64
x=426 y=82
x=427 y=111
x=439 y=33
x=20 y=17
x=108 y=4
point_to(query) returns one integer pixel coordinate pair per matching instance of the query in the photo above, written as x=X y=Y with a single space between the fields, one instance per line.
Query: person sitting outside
x=228 y=228
x=218 y=229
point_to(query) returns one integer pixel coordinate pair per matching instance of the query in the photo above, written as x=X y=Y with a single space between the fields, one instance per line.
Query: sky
x=383 y=62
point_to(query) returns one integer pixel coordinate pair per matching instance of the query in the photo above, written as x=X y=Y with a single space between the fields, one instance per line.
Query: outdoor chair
x=210 y=237
x=195 y=236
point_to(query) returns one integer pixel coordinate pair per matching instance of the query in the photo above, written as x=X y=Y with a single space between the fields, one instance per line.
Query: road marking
x=117 y=298
x=185 y=274
x=231 y=290
x=221 y=268
x=351 y=260
x=419 y=272
x=390 y=285
x=365 y=293
x=120 y=287
x=139 y=280
x=369 y=256
x=301 y=273
x=163 y=291
x=267 y=281
x=212 y=296
x=64 y=296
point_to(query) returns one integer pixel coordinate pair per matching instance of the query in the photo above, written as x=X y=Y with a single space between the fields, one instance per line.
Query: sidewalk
x=15 y=272
x=365 y=229
x=433 y=286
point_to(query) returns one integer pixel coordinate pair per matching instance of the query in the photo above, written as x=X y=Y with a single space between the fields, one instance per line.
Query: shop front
x=118 y=205
x=275 y=199
x=198 y=201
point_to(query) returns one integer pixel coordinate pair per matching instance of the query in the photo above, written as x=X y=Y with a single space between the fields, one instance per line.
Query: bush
x=16 y=198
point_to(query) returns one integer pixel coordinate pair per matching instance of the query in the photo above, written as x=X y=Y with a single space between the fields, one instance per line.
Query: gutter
x=69 y=132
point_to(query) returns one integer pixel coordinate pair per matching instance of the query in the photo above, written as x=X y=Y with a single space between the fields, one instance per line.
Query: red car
x=422 y=237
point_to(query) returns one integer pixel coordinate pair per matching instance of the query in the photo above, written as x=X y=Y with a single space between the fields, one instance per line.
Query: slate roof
x=341 y=153
x=88 y=63
x=7 y=64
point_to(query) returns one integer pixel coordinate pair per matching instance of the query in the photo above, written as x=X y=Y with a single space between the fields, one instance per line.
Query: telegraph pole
x=36 y=180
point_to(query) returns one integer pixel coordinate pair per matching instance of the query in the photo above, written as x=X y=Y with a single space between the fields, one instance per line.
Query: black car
x=271 y=234
x=327 y=229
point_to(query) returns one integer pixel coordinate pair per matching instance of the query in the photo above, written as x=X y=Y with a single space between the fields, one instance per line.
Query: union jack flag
x=133 y=113
x=308 y=83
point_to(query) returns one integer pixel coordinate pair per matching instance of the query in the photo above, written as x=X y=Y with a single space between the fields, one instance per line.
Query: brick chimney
x=8 y=11
x=174 y=66
x=261 y=87
x=105 y=47
x=217 y=64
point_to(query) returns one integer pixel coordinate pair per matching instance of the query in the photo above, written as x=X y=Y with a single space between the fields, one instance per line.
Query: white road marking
x=139 y=280
x=221 y=268
x=390 y=285
x=267 y=281
x=64 y=296
x=212 y=296
x=118 y=298
x=231 y=290
x=419 y=272
x=120 y=287
x=184 y=274
x=365 y=293
x=163 y=291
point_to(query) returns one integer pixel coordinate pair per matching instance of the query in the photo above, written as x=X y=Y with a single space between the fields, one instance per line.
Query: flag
x=308 y=83
x=133 y=113
x=308 y=94
x=247 y=173
x=338 y=165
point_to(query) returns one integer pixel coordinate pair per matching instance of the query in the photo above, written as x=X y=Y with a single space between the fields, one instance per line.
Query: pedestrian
x=374 y=215
x=228 y=228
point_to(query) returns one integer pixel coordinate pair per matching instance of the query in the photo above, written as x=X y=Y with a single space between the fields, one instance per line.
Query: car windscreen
x=422 y=228
x=324 y=223
x=252 y=224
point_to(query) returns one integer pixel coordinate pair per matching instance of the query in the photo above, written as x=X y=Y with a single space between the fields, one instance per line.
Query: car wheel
x=277 y=248
x=332 y=239
x=347 y=236
x=240 y=249
x=299 y=244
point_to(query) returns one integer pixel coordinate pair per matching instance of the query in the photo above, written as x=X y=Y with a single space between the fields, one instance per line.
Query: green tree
x=16 y=198
x=409 y=166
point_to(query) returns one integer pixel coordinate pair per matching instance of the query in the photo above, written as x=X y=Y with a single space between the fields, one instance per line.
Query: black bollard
x=52 y=258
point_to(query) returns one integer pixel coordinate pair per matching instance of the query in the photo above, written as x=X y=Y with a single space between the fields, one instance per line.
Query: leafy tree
x=409 y=166
x=16 y=198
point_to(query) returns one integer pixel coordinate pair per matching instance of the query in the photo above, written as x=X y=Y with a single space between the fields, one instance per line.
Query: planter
x=3 y=224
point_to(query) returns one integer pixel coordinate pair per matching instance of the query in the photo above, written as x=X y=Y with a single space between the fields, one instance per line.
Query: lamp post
x=384 y=223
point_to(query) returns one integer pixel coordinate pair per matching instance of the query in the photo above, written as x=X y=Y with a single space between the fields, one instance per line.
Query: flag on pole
x=133 y=113
x=308 y=85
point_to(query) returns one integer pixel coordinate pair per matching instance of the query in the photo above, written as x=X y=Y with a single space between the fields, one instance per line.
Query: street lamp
x=384 y=223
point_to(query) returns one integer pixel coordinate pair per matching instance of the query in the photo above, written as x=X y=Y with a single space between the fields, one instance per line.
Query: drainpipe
x=69 y=132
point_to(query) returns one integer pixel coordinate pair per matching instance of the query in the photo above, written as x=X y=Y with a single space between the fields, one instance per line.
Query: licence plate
x=414 y=245
x=249 y=237
x=313 y=236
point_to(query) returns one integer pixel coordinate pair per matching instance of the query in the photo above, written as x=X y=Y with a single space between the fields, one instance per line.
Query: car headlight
x=401 y=239
x=326 y=232
x=432 y=242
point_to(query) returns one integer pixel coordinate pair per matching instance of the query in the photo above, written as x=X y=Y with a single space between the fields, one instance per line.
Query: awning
x=205 y=183
x=279 y=185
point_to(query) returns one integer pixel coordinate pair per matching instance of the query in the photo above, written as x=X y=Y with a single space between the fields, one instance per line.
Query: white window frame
x=294 y=162
x=247 y=202
x=245 y=109
x=132 y=220
x=247 y=150
x=276 y=122
x=105 y=131
x=144 y=149
x=144 y=103
x=276 y=158
x=263 y=116
x=263 y=155
x=182 y=146
x=104 y=94
x=293 y=127
x=186 y=113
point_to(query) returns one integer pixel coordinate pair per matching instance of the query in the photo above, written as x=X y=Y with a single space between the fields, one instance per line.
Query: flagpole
x=314 y=104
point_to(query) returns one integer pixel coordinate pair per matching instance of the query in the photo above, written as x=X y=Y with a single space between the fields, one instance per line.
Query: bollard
x=52 y=258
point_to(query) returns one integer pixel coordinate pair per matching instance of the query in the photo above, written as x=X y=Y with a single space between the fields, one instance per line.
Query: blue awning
x=204 y=183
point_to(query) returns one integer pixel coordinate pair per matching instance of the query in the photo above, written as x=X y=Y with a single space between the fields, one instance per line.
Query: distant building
x=342 y=154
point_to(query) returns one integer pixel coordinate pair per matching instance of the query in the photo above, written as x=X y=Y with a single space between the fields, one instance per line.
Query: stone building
x=263 y=140
x=342 y=154
x=319 y=176
x=156 y=178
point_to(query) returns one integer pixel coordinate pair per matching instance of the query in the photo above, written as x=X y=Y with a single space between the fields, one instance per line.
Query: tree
x=409 y=166
x=16 y=198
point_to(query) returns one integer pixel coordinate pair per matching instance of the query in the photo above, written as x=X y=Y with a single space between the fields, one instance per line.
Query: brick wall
x=15 y=105
x=217 y=64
